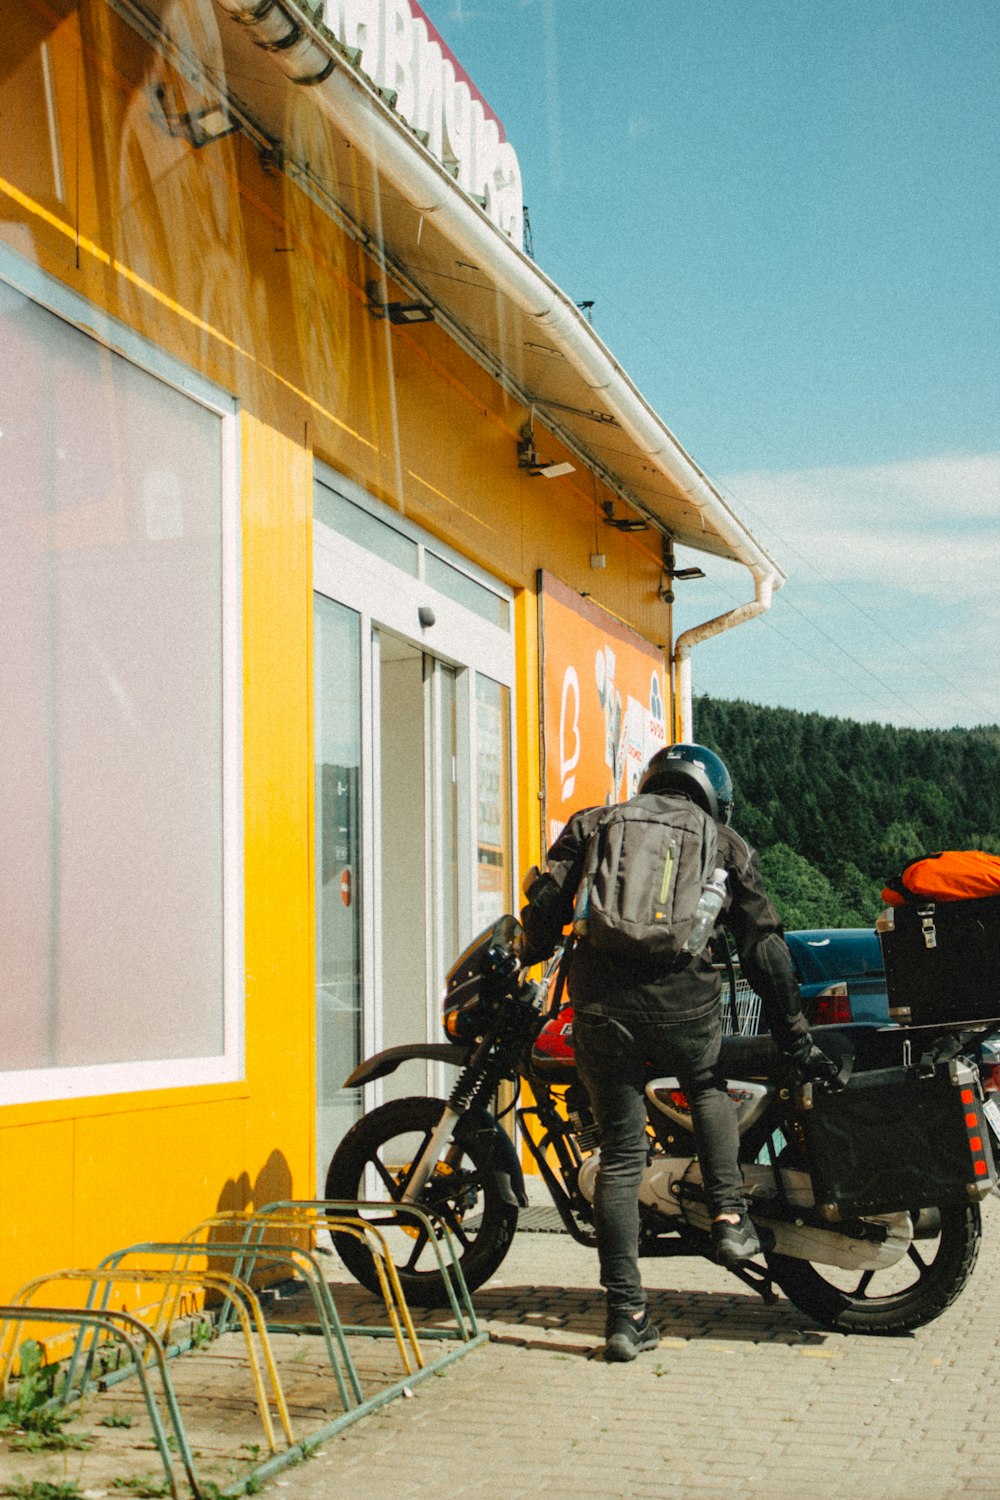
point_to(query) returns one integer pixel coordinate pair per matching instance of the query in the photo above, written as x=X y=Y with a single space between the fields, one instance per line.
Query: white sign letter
x=569 y=762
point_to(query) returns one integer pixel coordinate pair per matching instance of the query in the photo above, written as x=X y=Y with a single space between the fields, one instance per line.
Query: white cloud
x=892 y=606
x=930 y=526
x=959 y=484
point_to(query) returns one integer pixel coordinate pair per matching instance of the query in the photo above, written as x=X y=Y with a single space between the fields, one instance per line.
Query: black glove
x=810 y=1064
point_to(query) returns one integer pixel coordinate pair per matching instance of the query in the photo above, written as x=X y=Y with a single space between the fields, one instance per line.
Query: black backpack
x=644 y=869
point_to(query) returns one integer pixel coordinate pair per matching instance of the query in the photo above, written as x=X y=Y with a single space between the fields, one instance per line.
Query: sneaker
x=738 y=1242
x=626 y=1338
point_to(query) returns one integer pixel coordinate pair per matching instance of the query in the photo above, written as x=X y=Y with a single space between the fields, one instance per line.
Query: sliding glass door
x=413 y=774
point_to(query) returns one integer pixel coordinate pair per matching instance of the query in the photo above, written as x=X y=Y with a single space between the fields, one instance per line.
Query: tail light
x=833 y=1006
x=990 y=1073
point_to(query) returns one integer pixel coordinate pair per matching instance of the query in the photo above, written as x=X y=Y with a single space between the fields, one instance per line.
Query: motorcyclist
x=628 y=1017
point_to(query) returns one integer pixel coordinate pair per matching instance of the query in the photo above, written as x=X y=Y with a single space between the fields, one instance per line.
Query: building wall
x=239 y=276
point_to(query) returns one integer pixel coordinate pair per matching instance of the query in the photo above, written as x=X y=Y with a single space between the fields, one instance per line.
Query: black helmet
x=697 y=772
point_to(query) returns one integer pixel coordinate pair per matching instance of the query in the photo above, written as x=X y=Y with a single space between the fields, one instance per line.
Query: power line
x=626 y=315
x=767 y=621
x=851 y=603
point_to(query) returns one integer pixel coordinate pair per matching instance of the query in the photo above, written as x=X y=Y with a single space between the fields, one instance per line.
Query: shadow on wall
x=273 y=1184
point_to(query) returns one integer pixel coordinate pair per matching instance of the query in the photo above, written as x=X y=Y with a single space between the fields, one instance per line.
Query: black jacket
x=605 y=985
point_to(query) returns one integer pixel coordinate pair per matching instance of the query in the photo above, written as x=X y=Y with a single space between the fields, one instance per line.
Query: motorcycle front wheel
x=897 y=1299
x=375 y=1160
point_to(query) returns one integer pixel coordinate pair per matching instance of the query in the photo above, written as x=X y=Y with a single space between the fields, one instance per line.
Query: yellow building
x=336 y=553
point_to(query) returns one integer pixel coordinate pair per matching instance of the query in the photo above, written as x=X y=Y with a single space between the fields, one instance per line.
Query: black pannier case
x=942 y=962
x=896 y=1139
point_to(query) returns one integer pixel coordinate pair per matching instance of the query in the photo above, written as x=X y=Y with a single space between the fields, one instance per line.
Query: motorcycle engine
x=657 y=1187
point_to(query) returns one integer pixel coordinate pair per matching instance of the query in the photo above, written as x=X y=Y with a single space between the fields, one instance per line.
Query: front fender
x=506 y=1166
x=384 y=1063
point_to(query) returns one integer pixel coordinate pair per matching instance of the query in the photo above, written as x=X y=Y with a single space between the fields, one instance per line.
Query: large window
x=119 y=936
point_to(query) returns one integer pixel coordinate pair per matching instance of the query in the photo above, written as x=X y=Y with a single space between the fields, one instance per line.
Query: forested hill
x=835 y=808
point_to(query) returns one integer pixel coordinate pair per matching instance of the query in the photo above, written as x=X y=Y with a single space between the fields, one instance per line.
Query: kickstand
x=758 y=1279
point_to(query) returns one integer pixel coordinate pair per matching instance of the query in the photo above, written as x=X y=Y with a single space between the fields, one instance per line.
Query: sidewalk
x=739 y=1399
x=738 y=1394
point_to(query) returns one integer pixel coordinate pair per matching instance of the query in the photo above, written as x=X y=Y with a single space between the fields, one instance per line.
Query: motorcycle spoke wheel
x=421 y=1239
x=896 y=1299
x=376 y=1159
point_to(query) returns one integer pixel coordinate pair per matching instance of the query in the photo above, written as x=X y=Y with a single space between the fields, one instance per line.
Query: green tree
x=899 y=843
x=855 y=801
x=859 y=896
x=802 y=894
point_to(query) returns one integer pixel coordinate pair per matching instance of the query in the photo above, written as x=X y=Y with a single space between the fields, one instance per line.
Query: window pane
x=493 y=797
x=111 y=732
x=338 y=885
x=465 y=590
x=367 y=530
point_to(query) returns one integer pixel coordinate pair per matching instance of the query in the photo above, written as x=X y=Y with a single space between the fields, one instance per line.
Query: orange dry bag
x=950 y=875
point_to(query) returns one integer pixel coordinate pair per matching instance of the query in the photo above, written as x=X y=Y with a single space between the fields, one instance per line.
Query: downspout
x=764 y=585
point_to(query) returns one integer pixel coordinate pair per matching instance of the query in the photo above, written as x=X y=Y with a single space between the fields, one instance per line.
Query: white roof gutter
x=311 y=58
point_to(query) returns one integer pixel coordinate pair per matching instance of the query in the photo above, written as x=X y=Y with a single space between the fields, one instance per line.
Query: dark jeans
x=612 y=1061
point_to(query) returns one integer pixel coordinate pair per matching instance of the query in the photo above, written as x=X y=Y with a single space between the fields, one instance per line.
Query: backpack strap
x=584 y=869
x=562 y=973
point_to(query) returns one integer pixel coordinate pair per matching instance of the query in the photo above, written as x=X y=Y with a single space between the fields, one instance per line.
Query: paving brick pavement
x=738 y=1395
x=739 y=1398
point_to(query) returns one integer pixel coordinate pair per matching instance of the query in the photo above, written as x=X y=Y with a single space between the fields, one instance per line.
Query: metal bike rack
x=335 y=1213
x=146 y=1346
x=16 y=1315
x=236 y=1292
x=340 y=1215
x=250 y=1248
x=300 y=1261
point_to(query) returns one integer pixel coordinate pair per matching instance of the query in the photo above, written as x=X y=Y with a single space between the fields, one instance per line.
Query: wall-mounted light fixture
x=528 y=458
x=396 y=312
x=671 y=571
x=622 y=523
x=199 y=127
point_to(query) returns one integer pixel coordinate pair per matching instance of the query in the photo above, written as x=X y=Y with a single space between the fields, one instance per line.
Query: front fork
x=476 y=1081
x=427 y=1160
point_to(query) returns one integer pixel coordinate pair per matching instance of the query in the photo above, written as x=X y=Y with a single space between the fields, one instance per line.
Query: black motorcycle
x=870 y=1188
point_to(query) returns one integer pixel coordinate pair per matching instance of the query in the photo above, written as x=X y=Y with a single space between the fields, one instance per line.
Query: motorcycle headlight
x=464 y=1022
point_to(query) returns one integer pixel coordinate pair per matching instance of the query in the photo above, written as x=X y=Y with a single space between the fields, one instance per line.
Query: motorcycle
x=884 y=1258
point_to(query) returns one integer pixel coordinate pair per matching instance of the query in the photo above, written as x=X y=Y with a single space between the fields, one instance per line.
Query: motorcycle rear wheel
x=383 y=1146
x=896 y=1300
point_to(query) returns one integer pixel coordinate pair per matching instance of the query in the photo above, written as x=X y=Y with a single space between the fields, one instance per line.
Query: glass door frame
x=389 y=600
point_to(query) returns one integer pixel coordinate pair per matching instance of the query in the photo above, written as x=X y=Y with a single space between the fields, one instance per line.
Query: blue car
x=840 y=975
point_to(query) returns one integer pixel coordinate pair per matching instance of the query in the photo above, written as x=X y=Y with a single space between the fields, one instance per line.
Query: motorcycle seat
x=749 y=1056
x=853 y=1045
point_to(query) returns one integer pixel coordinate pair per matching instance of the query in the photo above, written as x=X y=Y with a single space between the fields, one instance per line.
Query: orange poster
x=603 y=705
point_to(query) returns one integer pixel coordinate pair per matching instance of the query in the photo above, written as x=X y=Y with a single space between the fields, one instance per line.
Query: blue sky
x=787 y=216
